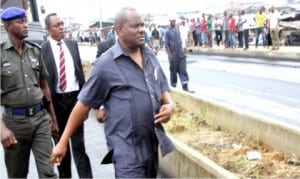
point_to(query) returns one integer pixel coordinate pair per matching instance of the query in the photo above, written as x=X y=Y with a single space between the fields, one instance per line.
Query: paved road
x=264 y=88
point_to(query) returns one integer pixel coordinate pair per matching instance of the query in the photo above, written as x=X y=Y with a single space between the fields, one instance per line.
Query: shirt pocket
x=35 y=76
x=9 y=77
x=155 y=87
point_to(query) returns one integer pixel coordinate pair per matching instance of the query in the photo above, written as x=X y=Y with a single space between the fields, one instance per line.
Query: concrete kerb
x=271 y=55
x=186 y=162
x=276 y=135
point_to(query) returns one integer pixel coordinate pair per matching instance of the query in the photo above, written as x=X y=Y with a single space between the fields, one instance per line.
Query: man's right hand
x=7 y=137
x=100 y=115
x=58 y=153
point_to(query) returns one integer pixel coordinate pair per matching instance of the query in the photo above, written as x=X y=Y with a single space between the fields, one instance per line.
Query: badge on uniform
x=34 y=62
x=6 y=64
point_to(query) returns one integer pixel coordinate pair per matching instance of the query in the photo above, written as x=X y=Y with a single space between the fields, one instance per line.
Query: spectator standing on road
x=260 y=19
x=203 y=28
x=131 y=85
x=232 y=31
x=273 y=25
x=218 y=30
x=65 y=80
x=25 y=125
x=192 y=26
x=209 y=30
x=198 y=32
x=225 y=29
x=239 y=27
x=184 y=32
x=155 y=38
x=162 y=36
x=176 y=55
x=246 y=26
x=112 y=33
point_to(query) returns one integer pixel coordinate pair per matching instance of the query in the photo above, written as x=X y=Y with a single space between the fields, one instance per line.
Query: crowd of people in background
x=227 y=30
x=233 y=31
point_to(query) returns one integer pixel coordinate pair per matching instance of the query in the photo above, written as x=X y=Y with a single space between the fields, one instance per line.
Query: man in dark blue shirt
x=176 y=55
x=128 y=80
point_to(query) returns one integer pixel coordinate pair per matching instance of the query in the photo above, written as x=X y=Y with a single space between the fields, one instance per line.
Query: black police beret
x=12 y=13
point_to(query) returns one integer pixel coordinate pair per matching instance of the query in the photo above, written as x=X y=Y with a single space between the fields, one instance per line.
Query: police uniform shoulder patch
x=33 y=44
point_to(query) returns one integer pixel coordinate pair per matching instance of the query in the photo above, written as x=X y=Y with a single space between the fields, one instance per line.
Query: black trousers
x=218 y=36
x=63 y=105
x=240 y=38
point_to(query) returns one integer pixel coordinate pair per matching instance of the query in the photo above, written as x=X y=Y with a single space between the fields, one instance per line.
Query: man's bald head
x=121 y=16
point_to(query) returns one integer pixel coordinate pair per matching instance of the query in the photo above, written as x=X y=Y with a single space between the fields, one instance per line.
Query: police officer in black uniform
x=25 y=124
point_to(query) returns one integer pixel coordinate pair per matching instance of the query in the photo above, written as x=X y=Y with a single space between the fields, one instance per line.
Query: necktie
x=62 y=69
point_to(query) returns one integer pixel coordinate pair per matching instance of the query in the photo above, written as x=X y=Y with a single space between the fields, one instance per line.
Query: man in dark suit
x=105 y=45
x=65 y=80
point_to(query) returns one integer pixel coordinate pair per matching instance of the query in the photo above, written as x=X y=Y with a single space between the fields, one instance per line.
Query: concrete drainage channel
x=188 y=163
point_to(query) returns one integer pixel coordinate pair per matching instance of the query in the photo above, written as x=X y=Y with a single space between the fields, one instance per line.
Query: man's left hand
x=165 y=113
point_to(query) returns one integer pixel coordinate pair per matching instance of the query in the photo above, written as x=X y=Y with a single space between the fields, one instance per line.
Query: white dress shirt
x=72 y=83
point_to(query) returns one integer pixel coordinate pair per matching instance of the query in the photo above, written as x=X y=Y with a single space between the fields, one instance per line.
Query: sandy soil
x=229 y=150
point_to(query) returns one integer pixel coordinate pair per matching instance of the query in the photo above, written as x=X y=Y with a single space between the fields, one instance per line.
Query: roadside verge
x=275 y=135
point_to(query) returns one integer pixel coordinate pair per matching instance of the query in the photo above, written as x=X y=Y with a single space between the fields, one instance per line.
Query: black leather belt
x=67 y=95
x=24 y=111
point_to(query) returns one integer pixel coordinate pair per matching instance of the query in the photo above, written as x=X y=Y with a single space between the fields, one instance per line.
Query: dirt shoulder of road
x=240 y=153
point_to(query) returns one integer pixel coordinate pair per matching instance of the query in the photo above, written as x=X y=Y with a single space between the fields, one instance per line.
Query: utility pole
x=100 y=15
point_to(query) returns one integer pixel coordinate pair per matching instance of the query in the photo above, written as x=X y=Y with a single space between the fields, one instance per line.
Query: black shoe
x=186 y=88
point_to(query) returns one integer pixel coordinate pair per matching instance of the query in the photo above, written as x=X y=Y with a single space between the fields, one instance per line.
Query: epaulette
x=33 y=44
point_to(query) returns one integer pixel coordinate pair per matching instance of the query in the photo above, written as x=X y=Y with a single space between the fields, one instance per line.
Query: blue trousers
x=260 y=31
x=246 y=38
x=178 y=65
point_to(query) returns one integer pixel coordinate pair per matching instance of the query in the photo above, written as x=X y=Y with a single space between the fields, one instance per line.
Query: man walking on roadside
x=65 y=80
x=25 y=125
x=176 y=55
x=129 y=82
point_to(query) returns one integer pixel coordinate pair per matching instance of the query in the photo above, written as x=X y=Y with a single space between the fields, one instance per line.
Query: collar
x=8 y=44
x=117 y=51
x=55 y=42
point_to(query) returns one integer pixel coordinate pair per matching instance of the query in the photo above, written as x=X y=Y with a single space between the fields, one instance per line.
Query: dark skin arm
x=77 y=116
x=168 y=50
x=46 y=91
x=166 y=110
x=7 y=137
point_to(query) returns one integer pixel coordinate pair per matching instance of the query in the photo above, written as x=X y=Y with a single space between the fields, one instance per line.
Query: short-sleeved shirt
x=260 y=19
x=209 y=24
x=198 y=27
x=131 y=97
x=225 y=22
x=231 y=24
x=203 y=25
x=274 y=19
x=21 y=75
